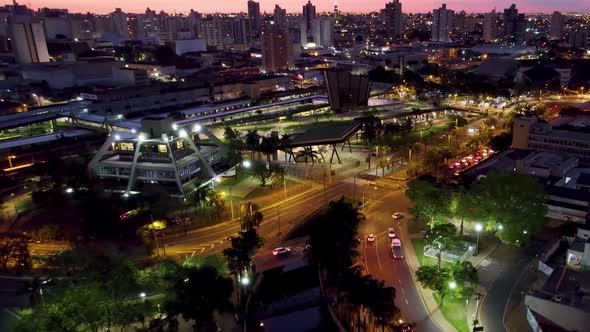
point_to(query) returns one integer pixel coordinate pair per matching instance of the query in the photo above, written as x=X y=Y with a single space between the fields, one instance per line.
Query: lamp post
x=10 y=157
x=478 y=229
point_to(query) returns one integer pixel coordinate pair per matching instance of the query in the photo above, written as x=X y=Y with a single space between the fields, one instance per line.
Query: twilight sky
x=210 y=6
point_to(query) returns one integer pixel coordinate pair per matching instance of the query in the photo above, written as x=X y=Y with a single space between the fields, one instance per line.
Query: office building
x=442 y=23
x=529 y=133
x=346 y=91
x=556 y=27
x=489 y=26
x=162 y=156
x=277 y=49
x=280 y=16
x=394 y=20
x=514 y=26
x=28 y=40
x=254 y=18
x=309 y=15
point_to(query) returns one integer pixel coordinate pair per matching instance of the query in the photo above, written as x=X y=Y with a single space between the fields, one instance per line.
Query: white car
x=391 y=232
x=280 y=251
x=371 y=238
x=396 y=249
x=397 y=216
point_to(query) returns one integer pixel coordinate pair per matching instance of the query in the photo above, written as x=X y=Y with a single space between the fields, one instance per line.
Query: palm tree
x=252 y=141
x=284 y=144
x=251 y=216
x=307 y=153
x=464 y=271
x=217 y=200
x=269 y=145
x=381 y=305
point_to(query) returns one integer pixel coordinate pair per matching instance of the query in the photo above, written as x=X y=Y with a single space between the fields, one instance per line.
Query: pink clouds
x=208 y=6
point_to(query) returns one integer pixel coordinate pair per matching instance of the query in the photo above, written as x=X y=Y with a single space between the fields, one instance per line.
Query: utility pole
x=231 y=204
x=285 y=185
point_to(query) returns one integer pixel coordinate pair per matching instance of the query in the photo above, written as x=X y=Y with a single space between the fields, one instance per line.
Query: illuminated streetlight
x=478 y=229
x=247 y=163
x=452 y=285
x=197 y=128
x=10 y=157
x=183 y=133
x=500 y=227
x=142 y=295
x=245 y=281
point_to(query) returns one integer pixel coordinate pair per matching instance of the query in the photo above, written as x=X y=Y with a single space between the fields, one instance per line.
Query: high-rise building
x=514 y=26
x=489 y=26
x=578 y=39
x=28 y=39
x=211 y=30
x=280 y=16
x=119 y=20
x=322 y=30
x=254 y=18
x=239 y=30
x=277 y=49
x=394 y=20
x=308 y=15
x=556 y=27
x=442 y=23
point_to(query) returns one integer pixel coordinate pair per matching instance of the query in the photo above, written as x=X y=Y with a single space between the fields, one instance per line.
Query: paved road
x=498 y=274
x=379 y=259
x=383 y=199
x=214 y=239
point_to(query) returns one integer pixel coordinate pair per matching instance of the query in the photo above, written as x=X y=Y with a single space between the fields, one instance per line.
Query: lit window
x=179 y=144
x=126 y=146
x=162 y=148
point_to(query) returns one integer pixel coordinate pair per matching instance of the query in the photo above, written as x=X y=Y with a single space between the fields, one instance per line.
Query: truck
x=396 y=249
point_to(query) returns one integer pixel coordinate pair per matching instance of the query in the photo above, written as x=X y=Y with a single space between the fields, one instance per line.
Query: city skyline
x=294 y=6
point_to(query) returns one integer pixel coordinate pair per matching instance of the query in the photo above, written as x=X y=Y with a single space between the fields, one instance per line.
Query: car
x=391 y=233
x=396 y=249
x=397 y=215
x=281 y=251
x=371 y=238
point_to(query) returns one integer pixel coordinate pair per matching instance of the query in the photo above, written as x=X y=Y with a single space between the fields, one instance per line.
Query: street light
x=245 y=281
x=452 y=285
x=500 y=227
x=247 y=163
x=10 y=157
x=524 y=232
x=478 y=229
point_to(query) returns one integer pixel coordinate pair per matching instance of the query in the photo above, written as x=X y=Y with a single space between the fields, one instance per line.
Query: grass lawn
x=262 y=191
x=455 y=309
x=416 y=225
x=427 y=132
x=418 y=244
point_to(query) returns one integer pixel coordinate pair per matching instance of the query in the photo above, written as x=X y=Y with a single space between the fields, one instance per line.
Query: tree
x=229 y=134
x=269 y=145
x=251 y=216
x=429 y=199
x=49 y=232
x=252 y=141
x=382 y=305
x=434 y=278
x=278 y=175
x=464 y=271
x=513 y=200
x=14 y=252
x=333 y=238
x=199 y=294
x=93 y=291
x=261 y=172
x=242 y=251
x=441 y=236
x=217 y=262
x=217 y=200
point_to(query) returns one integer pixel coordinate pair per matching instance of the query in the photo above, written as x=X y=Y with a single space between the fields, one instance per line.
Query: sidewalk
x=426 y=295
